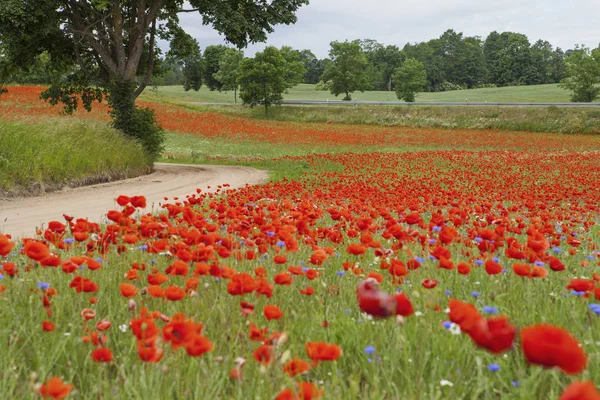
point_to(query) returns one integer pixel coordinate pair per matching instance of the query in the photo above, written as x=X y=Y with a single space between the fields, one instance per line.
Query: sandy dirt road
x=21 y=216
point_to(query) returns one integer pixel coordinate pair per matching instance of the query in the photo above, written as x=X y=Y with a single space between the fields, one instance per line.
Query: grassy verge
x=532 y=119
x=38 y=157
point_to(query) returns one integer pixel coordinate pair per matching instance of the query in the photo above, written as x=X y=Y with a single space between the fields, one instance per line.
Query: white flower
x=454 y=329
x=67 y=333
x=444 y=382
x=418 y=314
x=123 y=328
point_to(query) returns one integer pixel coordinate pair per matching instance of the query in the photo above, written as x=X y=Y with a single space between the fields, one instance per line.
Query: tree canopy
x=583 y=74
x=100 y=45
x=347 y=70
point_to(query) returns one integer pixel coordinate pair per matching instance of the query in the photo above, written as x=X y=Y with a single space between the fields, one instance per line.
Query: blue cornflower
x=43 y=285
x=270 y=233
x=432 y=241
x=217 y=279
x=341 y=273
x=280 y=243
x=516 y=383
x=399 y=291
x=447 y=292
x=496 y=259
x=479 y=262
x=431 y=257
x=420 y=260
x=436 y=228
x=304 y=269
x=475 y=294
x=242 y=243
x=557 y=250
x=539 y=263
x=490 y=309
x=576 y=293
x=478 y=240
x=494 y=367
x=447 y=324
x=143 y=247
x=369 y=350
x=1 y=277
x=589 y=257
x=595 y=308
x=68 y=240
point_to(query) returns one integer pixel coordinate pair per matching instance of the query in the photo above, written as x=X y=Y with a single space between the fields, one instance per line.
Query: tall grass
x=36 y=157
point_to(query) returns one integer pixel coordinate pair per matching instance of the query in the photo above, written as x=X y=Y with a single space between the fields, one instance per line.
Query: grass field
x=538 y=93
x=38 y=157
x=485 y=244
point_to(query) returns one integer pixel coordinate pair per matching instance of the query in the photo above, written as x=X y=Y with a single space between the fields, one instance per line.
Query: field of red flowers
x=465 y=271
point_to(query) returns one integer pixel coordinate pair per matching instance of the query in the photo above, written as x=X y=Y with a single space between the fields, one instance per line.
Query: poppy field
x=400 y=263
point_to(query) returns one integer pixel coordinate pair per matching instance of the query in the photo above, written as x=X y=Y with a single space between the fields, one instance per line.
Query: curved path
x=21 y=216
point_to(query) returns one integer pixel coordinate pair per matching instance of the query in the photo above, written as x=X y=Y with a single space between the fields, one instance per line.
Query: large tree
x=210 y=63
x=101 y=44
x=409 y=80
x=583 y=74
x=264 y=78
x=347 y=70
x=229 y=70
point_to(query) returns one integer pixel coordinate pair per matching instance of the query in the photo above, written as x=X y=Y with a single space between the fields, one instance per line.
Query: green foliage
x=210 y=66
x=229 y=70
x=410 y=79
x=583 y=74
x=36 y=157
x=135 y=122
x=264 y=78
x=192 y=74
x=347 y=70
x=102 y=43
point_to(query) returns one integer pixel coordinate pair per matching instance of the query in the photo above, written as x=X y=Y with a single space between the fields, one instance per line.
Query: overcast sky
x=562 y=22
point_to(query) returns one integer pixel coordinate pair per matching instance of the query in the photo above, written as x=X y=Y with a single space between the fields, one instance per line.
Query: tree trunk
x=235 y=94
x=267 y=110
x=121 y=98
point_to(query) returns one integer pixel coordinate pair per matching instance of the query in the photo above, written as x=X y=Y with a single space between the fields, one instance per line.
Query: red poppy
x=272 y=312
x=580 y=391
x=6 y=245
x=295 y=367
x=47 y=326
x=321 y=351
x=373 y=300
x=149 y=352
x=174 y=293
x=264 y=354
x=198 y=345
x=36 y=250
x=128 y=290
x=55 y=388
x=552 y=346
x=492 y=267
x=429 y=283
x=304 y=391
x=102 y=354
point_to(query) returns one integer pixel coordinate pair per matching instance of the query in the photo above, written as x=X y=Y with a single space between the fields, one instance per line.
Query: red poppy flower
x=580 y=391
x=47 y=326
x=272 y=312
x=174 y=293
x=321 y=351
x=429 y=283
x=6 y=245
x=264 y=354
x=552 y=346
x=295 y=367
x=128 y=290
x=55 y=388
x=102 y=354
x=36 y=250
x=373 y=300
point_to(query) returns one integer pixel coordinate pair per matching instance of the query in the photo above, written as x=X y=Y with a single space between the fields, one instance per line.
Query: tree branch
x=148 y=76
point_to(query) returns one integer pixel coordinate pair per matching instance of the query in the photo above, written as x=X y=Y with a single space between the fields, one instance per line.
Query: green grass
x=536 y=93
x=37 y=157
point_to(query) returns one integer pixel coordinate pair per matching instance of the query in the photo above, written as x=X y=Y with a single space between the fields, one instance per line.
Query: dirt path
x=19 y=217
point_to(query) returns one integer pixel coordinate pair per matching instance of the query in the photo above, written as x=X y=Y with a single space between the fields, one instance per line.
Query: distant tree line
x=450 y=62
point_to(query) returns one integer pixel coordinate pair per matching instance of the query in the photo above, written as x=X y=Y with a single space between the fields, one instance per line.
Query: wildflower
x=494 y=367
x=369 y=350
x=55 y=388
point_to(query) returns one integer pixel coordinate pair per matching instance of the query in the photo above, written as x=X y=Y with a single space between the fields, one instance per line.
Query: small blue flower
x=495 y=259
x=99 y=260
x=398 y=290
x=280 y=243
x=436 y=229
x=43 y=285
x=304 y=269
x=348 y=311
x=217 y=279
x=152 y=262
x=478 y=240
x=341 y=273
x=576 y=293
x=270 y=233
x=242 y=243
x=447 y=324
x=143 y=247
x=595 y=308
x=479 y=262
x=557 y=250
x=420 y=260
x=539 y=263
x=516 y=383
x=589 y=257
x=490 y=309
x=494 y=367
x=432 y=241
x=369 y=350
x=447 y=292
x=475 y=294
x=68 y=240
x=431 y=257
x=1 y=277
